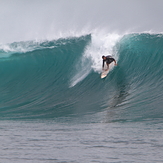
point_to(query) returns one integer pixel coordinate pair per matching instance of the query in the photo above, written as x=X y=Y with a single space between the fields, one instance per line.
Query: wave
x=61 y=78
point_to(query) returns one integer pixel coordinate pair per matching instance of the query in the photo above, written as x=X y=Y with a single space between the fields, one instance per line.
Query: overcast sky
x=41 y=19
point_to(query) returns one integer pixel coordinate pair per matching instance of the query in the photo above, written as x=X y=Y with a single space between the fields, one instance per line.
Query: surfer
x=108 y=59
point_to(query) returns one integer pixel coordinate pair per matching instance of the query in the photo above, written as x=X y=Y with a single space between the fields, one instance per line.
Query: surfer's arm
x=103 y=64
x=115 y=63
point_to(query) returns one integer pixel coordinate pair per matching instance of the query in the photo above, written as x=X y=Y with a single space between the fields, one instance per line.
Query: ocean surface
x=54 y=106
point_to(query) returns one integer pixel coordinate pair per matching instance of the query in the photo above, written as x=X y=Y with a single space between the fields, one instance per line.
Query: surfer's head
x=103 y=57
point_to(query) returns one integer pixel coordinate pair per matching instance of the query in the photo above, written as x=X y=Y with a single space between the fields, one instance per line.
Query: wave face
x=61 y=78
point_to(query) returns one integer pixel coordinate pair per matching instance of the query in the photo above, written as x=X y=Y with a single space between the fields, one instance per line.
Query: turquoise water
x=59 y=78
x=55 y=108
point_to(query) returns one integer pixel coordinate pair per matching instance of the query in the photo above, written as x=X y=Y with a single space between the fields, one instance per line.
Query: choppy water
x=51 y=141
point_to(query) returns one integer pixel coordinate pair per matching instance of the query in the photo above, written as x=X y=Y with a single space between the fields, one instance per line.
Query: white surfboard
x=104 y=73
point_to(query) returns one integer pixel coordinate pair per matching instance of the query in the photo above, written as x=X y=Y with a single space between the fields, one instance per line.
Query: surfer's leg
x=107 y=66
